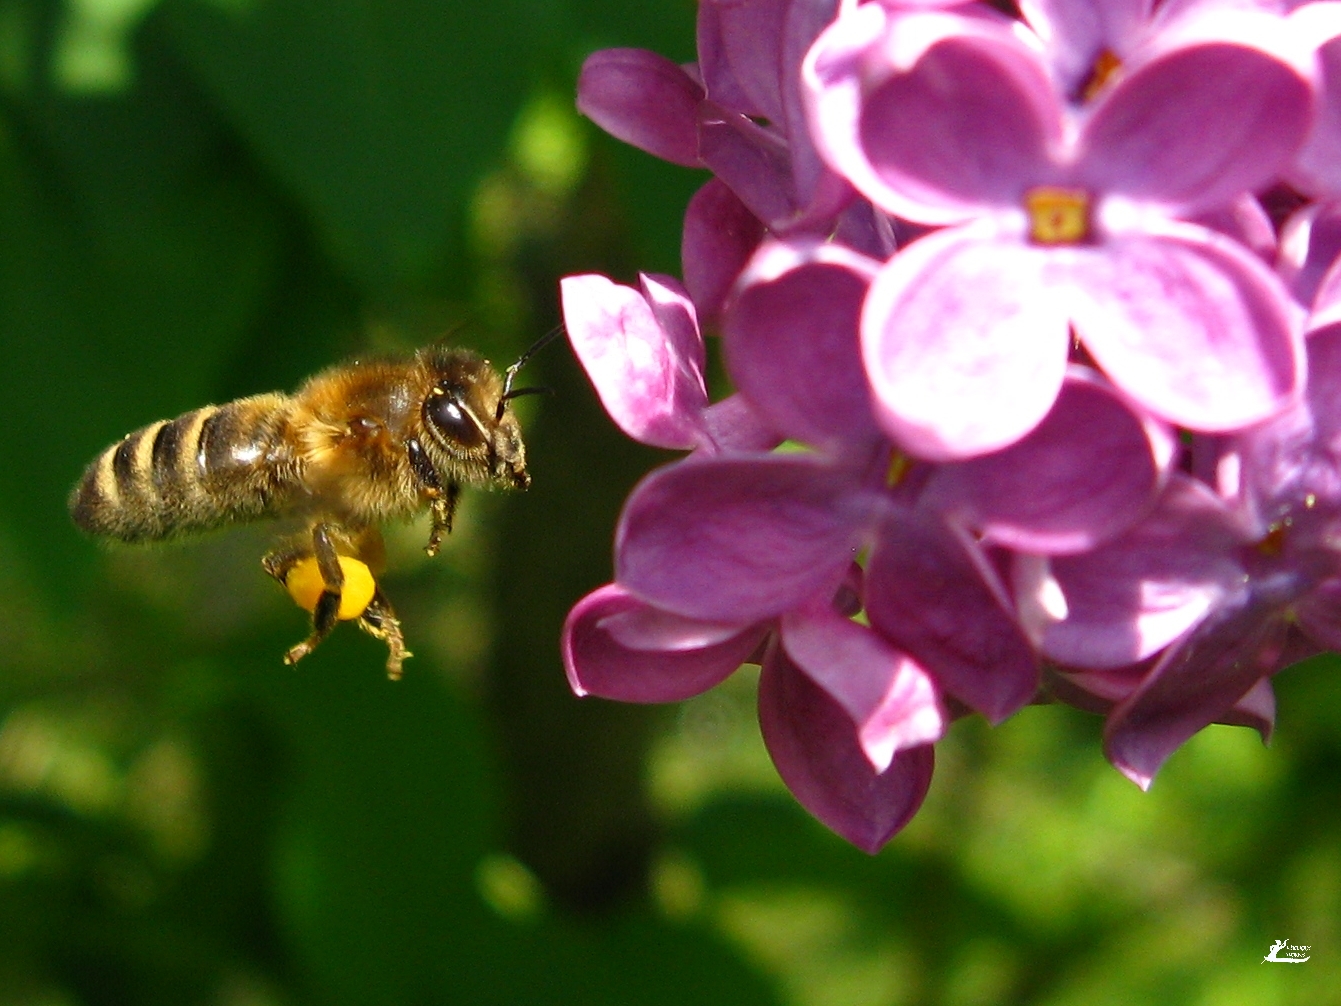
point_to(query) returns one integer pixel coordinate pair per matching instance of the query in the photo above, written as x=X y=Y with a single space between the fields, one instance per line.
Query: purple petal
x=739 y=539
x=802 y=25
x=1128 y=599
x=964 y=342
x=720 y=235
x=643 y=99
x=929 y=596
x=1190 y=324
x=1045 y=493
x=740 y=54
x=1319 y=614
x=889 y=698
x=1326 y=312
x=1256 y=710
x=649 y=376
x=791 y=342
x=735 y=425
x=1199 y=124
x=1317 y=169
x=753 y=161
x=616 y=647
x=814 y=746
x=1195 y=684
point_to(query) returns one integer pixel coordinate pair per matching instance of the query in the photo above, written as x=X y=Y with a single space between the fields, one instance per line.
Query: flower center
x=1105 y=68
x=897 y=470
x=1273 y=542
x=1057 y=216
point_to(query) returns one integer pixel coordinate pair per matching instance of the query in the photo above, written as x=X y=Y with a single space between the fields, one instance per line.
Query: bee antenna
x=511 y=373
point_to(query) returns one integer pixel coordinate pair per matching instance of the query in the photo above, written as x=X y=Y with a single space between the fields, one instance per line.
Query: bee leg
x=323 y=621
x=441 y=500
x=326 y=613
x=442 y=508
x=379 y=621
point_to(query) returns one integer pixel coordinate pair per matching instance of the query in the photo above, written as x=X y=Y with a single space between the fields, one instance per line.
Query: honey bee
x=358 y=444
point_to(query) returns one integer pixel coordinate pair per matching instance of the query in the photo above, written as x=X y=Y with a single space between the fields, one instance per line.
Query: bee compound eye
x=451 y=419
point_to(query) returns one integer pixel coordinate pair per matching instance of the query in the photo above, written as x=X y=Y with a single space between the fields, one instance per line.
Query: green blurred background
x=201 y=200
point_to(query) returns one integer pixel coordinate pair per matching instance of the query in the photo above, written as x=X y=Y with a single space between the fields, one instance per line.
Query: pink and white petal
x=720 y=234
x=1195 y=684
x=888 y=696
x=964 y=343
x=814 y=746
x=1190 y=324
x=643 y=99
x=649 y=378
x=1075 y=33
x=961 y=144
x=616 y=647
x=1317 y=168
x=791 y=342
x=931 y=598
x=971 y=124
x=738 y=538
x=1240 y=114
x=1246 y=222
x=1131 y=597
x=1310 y=245
x=1045 y=493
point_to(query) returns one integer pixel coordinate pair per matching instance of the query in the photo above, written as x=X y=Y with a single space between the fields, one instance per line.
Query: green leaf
x=380 y=118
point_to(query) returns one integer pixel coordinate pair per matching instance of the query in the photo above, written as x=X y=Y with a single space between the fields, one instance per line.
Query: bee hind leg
x=379 y=621
x=326 y=611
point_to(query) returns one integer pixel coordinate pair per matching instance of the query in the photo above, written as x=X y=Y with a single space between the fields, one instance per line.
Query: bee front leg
x=441 y=499
x=379 y=621
x=442 y=508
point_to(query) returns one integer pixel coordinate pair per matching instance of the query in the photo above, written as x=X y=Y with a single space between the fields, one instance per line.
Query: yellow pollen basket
x=1058 y=216
x=304 y=585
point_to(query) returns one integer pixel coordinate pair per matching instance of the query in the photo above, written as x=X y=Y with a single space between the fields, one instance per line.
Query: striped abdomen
x=208 y=467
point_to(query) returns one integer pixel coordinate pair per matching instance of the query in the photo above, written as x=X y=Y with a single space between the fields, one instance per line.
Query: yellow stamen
x=1105 y=68
x=898 y=468
x=1058 y=216
x=1273 y=542
x=305 y=585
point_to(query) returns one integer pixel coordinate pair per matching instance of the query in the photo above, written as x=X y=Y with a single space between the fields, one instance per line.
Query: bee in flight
x=358 y=444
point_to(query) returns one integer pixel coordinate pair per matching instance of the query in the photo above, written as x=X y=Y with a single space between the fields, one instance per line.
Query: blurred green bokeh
x=201 y=200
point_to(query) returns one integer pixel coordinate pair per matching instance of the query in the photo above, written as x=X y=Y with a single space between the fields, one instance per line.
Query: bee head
x=473 y=435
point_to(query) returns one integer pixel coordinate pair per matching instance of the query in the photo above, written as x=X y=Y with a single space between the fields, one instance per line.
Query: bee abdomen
x=211 y=466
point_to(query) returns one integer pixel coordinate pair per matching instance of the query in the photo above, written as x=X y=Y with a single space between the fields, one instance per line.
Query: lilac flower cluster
x=1034 y=396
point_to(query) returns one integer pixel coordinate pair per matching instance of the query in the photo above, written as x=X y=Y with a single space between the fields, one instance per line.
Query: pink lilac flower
x=980 y=274
x=852 y=738
x=1317 y=168
x=732 y=553
x=1227 y=581
x=1060 y=220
